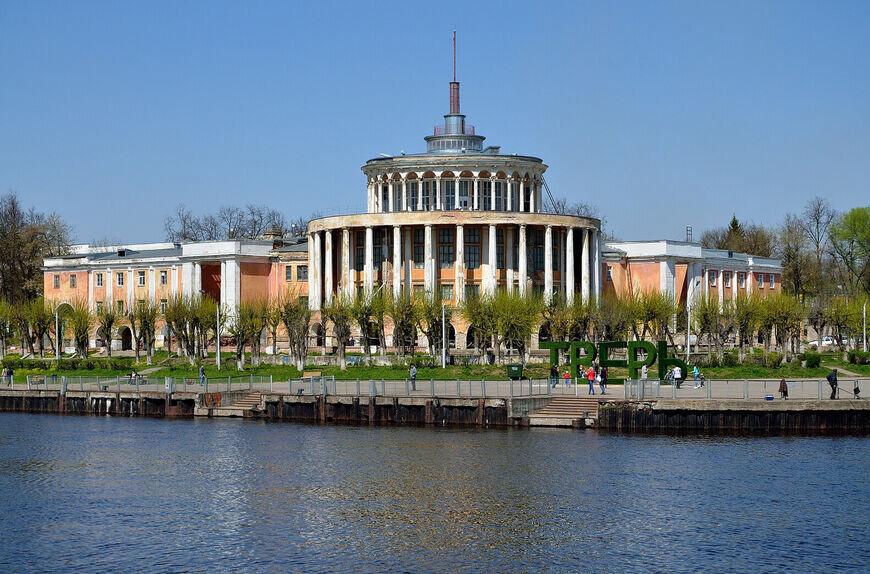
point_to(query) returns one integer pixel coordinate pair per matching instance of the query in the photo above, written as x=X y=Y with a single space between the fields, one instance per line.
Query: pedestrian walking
x=643 y=372
x=602 y=380
x=832 y=380
x=678 y=375
x=783 y=389
x=201 y=376
x=413 y=374
x=554 y=375
x=590 y=374
x=696 y=372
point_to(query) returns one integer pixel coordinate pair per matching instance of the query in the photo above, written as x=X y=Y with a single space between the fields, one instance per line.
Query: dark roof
x=131 y=254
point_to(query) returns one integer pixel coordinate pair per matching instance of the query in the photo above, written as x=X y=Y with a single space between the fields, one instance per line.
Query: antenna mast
x=454 y=55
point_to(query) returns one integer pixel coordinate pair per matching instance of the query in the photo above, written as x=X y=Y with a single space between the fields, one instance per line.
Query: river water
x=94 y=494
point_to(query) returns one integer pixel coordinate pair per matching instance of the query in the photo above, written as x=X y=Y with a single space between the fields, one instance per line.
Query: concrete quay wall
x=736 y=417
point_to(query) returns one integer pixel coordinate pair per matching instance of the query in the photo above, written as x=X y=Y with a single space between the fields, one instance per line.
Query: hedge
x=18 y=364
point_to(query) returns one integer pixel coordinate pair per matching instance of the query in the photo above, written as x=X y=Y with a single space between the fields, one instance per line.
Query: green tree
x=146 y=315
x=403 y=312
x=479 y=312
x=339 y=312
x=296 y=318
x=429 y=320
x=850 y=239
x=363 y=311
x=612 y=318
x=81 y=321
x=746 y=315
x=40 y=317
x=7 y=326
x=107 y=318
x=516 y=317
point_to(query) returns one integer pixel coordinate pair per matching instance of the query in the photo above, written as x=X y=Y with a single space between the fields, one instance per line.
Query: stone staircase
x=561 y=411
x=238 y=408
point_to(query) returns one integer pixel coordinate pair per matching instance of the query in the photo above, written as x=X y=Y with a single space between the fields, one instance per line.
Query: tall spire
x=454 y=85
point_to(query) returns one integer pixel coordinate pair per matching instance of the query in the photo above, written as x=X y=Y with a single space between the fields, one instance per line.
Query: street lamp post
x=865 y=327
x=57 y=335
x=443 y=337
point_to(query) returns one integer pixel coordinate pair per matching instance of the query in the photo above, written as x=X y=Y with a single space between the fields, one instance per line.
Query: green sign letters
x=604 y=350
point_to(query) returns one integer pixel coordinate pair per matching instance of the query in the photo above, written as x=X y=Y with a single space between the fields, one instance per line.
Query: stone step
x=569 y=407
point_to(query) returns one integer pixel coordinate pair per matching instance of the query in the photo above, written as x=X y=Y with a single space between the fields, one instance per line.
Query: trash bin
x=515 y=371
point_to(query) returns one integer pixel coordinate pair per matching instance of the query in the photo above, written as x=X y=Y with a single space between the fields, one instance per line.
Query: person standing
x=602 y=383
x=413 y=374
x=643 y=372
x=696 y=372
x=832 y=380
x=783 y=389
x=201 y=376
x=590 y=375
x=554 y=375
x=678 y=375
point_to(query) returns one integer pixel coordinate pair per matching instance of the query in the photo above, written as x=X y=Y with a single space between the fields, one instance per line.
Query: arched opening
x=470 y=336
x=451 y=336
x=126 y=339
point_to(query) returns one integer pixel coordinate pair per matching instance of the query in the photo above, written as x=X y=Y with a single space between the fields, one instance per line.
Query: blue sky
x=661 y=114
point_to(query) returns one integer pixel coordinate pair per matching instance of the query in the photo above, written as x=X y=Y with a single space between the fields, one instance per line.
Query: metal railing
x=746 y=389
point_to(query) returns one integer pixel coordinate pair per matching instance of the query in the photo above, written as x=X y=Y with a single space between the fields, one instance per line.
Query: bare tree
x=818 y=216
x=229 y=222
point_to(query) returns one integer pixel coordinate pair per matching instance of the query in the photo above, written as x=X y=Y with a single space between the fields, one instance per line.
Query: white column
x=369 y=270
x=404 y=194
x=91 y=304
x=749 y=274
x=721 y=289
x=173 y=281
x=523 y=274
x=509 y=257
x=420 y=194
x=223 y=293
x=152 y=286
x=428 y=260
x=585 y=283
x=438 y=192
x=474 y=202
x=667 y=278
x=706 y=282
x=390 y=197
x=492 y=193
x=327 y=272
x=316 y=274
x=197 y=278
x=233 y=287
x=345 y=261
x=459 y=265
x=548 y=264
x=521 y=194
x=569 y=266
x=131 y=294
x=532 y=189
x=186 y=278
x=734 y=285
x=596 y=272
x=110 y=285
x=493 y=259
x=397 y=261
x=455 y=193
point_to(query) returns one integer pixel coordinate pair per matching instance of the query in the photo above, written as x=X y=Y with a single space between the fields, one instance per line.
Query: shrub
x=729 y=360
x=813 y=360
x=773 y=360
x=859 y=357
x=711 y=361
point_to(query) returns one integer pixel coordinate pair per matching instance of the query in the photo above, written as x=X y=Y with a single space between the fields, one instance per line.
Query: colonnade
x=324 y=283
x=517 y=194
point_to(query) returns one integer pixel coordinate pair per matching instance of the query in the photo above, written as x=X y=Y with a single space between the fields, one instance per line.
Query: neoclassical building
x=458 y=219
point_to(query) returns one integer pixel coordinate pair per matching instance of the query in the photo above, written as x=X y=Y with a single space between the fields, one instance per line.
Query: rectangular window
x=359 y=261
x=609 y=273
x=712 y=276
x=302 y=272
x=385 y=198
x=472 y=291
x=99 y=279
x=770 y=281
x=119 y=307
x=163 y=304
x=412 y=195
x=427 y=187
x=472 y=235
x=73 y=281
x=486 y=192
x=418 y=256
x=288 y=273
x=499 y=196
x=99 y=307
x=360 y=238
x=120 y=278
x=447 y=292
x=515 y=204
x=56 y=281
x=463 y=194
x=499 y=248
x=140 y=305
x=741 y=280
x=556 y=259
x=726 y=279
x=446 y=257
x=538 y=258
x=449 y=194
x=472 y=256
x=164 y=277
x=141 y=276
x=761 y=280
x=418 y=288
